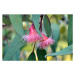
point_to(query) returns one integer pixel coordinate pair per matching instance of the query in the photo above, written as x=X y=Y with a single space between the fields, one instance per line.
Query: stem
x=34 y=46
x=40 y=22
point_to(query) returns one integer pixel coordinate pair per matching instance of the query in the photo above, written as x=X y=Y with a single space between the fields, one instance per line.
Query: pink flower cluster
x=45 y=41
x=34 y=37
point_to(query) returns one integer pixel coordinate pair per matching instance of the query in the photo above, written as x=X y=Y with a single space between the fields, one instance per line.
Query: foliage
x=16 y=21
x=41 y=54
x=47 y=25
x=15 y=45
x=32 y=57
x=67 y=50
x=15 y=56
x=35 y=19
x=55 y=35
x=70 y=30
x=13 y=50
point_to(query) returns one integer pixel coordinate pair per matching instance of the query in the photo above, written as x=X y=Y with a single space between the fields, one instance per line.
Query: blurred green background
x=8 y=34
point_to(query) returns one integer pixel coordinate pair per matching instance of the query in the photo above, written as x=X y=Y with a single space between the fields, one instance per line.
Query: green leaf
x=47 y=25
x=70 y=30
x=55 y=35
x=16 y=21
x=54 y=47
x=41 y=54
x=5 y=49
x=32 y=57
x=35 y=19
x=6 y=19
x=67 y=50
x=15 y=56
x=25 y=18
x=15 y=45
x=55 y=31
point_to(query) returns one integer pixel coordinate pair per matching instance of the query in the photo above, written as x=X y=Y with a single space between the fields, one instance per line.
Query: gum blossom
x=33 y=35
x=45 y=41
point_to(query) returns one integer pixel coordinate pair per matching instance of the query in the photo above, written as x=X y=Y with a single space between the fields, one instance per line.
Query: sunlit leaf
x=41 y=54
x=35 y=19
x=70 y=30
x=16 y=21
x=47 y=25
x=15 y=45
x=67 y=50
x=32 y=57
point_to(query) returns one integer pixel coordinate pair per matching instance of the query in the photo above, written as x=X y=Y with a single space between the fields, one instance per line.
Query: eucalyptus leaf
x=16 y=21
x=15 y=45
x=35 y=19
x=15 y=56
x=5 y=49
x=55 y=35
x=41 y=54
x=65 y=51
x=70 y=30
x=47 y=25
x=54 y=47
x=55 y=31
x=32 y=57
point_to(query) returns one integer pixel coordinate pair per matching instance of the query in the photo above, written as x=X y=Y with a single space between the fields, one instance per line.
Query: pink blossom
x=33 y=35
x=45 y=41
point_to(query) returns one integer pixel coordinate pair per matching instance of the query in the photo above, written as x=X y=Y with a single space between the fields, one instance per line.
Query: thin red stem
x=41 y=18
